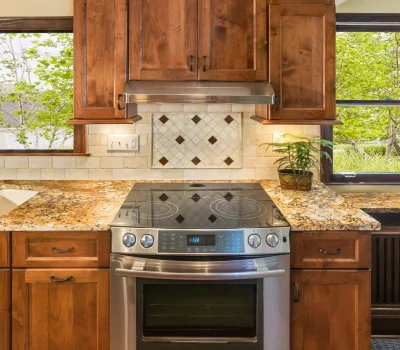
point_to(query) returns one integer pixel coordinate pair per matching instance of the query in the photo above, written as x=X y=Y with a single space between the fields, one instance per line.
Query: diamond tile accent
x=209 y=144
x=212 y=140
x=180 y=219
x=180 y=139
x=196 y=160
x=163 y=161
x=229 y=119
x=196 y=197
x=196 y=119
x=163 y=119
x=163 y=197
x=228 y=161
x=228 y=196
x=212 y=218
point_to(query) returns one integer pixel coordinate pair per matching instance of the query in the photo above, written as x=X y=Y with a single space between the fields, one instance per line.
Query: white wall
x=35 y=8
x=370 y=6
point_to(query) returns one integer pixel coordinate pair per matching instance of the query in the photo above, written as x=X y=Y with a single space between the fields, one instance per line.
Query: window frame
x=62 y=24
x=360 y=22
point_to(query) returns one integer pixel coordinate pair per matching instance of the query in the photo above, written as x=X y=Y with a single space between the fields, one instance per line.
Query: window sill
x=43 y=154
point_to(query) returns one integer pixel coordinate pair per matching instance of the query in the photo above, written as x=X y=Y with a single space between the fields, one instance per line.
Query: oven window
x=200 y=310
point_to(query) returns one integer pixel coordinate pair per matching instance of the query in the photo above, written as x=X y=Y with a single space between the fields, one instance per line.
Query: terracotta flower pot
x=291 y=180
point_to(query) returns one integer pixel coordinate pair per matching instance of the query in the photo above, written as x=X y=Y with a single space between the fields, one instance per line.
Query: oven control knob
x=147 y=241
x=272 y=240
x=129 y=240
x=254 y=241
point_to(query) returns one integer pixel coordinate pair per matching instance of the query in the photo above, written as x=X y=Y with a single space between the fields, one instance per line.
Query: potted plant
x=299 y=156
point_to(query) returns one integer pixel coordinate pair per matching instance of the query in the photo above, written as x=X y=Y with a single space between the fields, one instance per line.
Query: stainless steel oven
x=225 y=302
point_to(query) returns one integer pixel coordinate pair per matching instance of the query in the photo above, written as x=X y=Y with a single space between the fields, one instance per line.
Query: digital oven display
x=201 y=240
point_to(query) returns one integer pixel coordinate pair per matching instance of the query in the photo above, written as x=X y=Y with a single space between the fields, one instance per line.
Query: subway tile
x=17 y=162
x=148 y=107
x=143 y=129
x=249 y=151
x=99 y=151
x=124 y=174
x=103 y=139
x=266 y=174
x=247 y=108
x=40 y=162
x=76 y=174
x=2 y=162
x=219 y=107
x=171 y=107
x=145 y=118
x=94 y=140
x=52 y=174
x=135 y=163
x=28 y=174
x=148 y=174
x=88 y=162
x=311 y=130
x=143 y=140
x=195 y=107
x=100 y=174
x=112 y=162
x=64 y=162
x=8 y=174
x=98 y=129
x=244 y=174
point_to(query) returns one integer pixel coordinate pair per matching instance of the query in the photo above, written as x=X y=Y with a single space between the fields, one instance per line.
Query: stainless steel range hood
x=199 y=92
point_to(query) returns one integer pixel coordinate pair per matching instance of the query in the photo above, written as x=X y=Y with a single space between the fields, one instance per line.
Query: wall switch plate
x=123 y=142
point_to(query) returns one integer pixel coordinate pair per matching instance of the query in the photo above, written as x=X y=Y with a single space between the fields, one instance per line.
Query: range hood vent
x=199 y=92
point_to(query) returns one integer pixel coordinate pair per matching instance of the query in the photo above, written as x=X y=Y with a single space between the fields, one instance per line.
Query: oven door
x=197 y=305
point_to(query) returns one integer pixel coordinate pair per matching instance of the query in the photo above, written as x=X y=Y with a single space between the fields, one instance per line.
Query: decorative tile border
x=202 y=140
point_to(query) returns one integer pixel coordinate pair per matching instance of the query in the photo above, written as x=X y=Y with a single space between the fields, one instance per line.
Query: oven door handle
x=186 y=276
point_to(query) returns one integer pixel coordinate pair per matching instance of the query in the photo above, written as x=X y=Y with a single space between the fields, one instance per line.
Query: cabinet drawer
x=61 y=249
x=4 y=249
x=331 y=249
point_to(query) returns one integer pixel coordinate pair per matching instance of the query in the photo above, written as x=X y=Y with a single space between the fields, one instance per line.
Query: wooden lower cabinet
x=330 y=309
x=5 y=309
x=60 y=309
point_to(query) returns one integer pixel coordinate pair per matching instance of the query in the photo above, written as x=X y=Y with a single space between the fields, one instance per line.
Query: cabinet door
x=232 y=40
x=5 y=309
x=4 y=249
x=330 y=309
x=302 y=61
x=48 y=314
x=163 y=40
x=99 y=57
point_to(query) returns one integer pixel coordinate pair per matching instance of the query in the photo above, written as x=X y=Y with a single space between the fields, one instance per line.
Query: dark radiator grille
x=385 y=269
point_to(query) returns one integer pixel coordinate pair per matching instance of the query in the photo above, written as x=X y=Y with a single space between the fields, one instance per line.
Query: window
x=36 y=87
x=367 y=145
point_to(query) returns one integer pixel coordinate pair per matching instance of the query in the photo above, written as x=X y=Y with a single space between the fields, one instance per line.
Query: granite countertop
x=375 y=202
x=92 y=205
x=66 y=205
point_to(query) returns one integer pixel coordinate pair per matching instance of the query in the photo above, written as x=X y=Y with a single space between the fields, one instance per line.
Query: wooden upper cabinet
x=330 y=309
x=232 y=40
x=60 y=309
x=100 y=48
x=302 y=61
x=163 y=40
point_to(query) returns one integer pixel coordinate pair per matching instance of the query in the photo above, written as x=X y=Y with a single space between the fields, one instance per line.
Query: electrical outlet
x=123 y=142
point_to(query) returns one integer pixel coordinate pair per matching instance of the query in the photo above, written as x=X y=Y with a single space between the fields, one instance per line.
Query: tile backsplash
x=202 y=140
x=256 y=163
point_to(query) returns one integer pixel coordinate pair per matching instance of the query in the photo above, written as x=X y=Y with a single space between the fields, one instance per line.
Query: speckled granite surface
x=319 y=209
x=66 y=205
x=375 y=202
x=92 y=205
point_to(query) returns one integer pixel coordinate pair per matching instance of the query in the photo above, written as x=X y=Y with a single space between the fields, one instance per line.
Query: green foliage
x=375 y=150
x=351 y=161
x=302 y=155
x=36 y=76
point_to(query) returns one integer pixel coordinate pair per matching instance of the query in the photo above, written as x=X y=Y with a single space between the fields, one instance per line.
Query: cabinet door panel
x=232 y=40
x=302 y=61
x=99 y=58
x=333 y=310
x=5 y=330
x=163 y=40
x=60 y=316
x=4 y=249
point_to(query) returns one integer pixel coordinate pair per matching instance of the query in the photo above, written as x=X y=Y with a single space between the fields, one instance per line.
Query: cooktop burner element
x=198 y=206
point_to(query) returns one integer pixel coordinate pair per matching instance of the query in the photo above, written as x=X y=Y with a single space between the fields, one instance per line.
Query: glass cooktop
x=198 y=206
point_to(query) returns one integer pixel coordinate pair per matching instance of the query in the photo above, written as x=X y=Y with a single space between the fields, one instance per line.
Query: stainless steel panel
x=199 y=92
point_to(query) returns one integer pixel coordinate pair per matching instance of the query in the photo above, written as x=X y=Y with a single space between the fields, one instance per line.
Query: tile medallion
x=202 y=140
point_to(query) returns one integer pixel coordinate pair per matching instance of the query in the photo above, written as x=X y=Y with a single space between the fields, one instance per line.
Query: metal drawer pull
x=205 y=63
x=297 y=295
x=337 y=251
x=191 y=63
x=62 y=251
x=56 y=280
